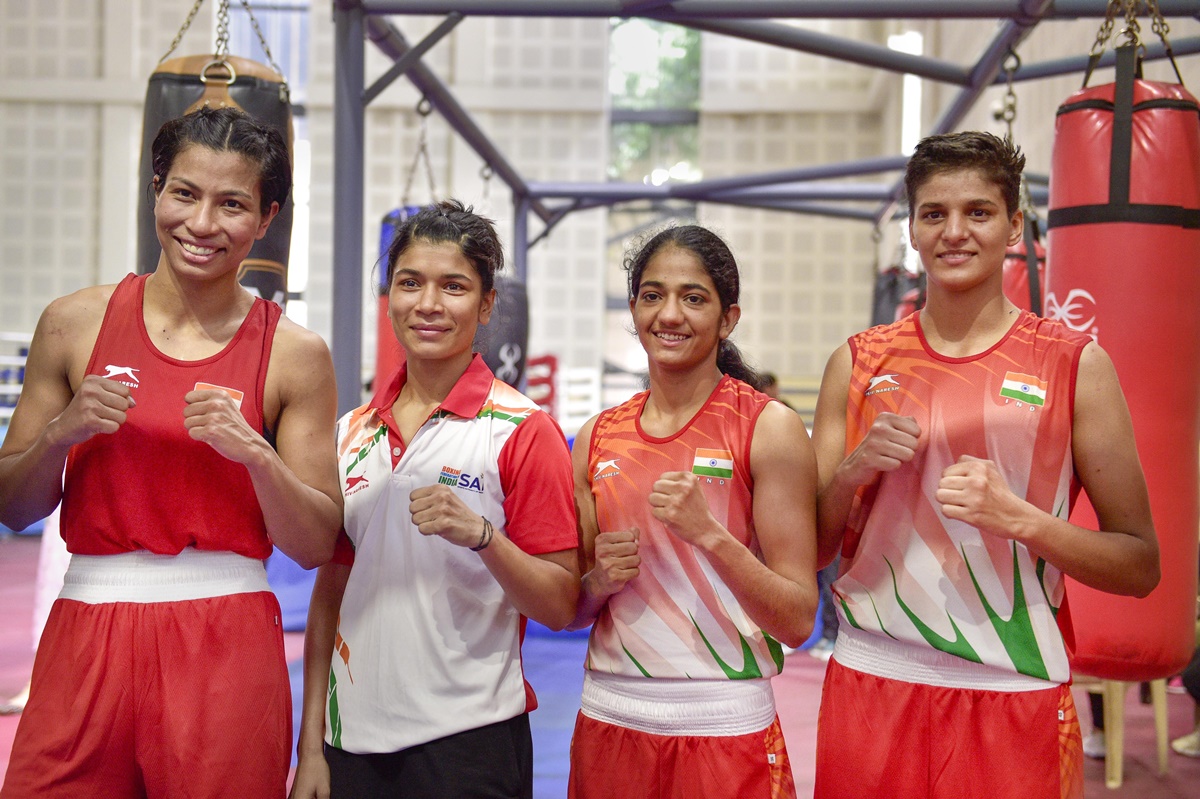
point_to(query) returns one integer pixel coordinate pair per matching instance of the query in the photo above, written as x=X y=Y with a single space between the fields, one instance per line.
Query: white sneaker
x=1188 y=745
x=1093 y=745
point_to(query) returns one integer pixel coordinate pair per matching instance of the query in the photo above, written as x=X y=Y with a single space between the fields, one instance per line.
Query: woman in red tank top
x=157 y=396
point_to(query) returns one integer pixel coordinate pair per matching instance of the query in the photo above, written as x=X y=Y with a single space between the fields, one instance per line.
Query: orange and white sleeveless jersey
x=913 y=580
x=677 y=619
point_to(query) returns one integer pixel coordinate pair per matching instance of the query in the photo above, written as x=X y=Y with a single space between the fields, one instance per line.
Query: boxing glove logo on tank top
x=125 y=375
x=1077 y=311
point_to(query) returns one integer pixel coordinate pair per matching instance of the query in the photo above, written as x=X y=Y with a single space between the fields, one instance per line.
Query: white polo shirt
x=428 y=644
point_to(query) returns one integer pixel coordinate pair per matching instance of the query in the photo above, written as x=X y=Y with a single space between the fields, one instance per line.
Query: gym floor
x=553 y=666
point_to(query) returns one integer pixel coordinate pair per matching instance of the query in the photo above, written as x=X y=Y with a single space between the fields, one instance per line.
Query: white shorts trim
x=899 y=660
x=679 y=707
x=146 y=577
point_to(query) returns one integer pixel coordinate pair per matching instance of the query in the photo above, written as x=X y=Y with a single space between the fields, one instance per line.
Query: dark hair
x=717 y=259
x=227 y=129
x=450 y=221
x=998 y=159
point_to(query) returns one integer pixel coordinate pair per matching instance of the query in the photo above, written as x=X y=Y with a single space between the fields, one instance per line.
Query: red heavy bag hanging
x=1124 y=245
x=1016 y=275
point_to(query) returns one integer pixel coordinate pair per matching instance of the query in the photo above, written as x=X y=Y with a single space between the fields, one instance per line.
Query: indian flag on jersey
x=713 y=463
x=1025 y=388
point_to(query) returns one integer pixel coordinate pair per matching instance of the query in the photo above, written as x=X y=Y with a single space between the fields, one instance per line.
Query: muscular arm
x=312 y=773
x=1122 y=557
x=891 y=441
x=296 y=483
x=779 y=592
x=51 y=416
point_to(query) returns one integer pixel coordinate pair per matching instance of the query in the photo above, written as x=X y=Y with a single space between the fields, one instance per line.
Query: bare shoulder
x=300 y=370
x=1096 y=381
x=293 y=341
x=68 y=328
x=779 y=435
x=76 y=312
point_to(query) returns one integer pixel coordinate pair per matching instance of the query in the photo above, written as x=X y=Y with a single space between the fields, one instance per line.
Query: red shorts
x=610 y=761
x=886 y=738
x=179 y=700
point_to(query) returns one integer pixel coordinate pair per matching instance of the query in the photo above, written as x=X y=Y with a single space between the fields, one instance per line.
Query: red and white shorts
x=157 y=676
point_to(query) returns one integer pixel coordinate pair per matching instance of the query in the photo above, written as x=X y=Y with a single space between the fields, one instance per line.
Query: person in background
x=696 y=502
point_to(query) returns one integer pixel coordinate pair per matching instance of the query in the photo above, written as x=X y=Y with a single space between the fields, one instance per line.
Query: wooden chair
x=1114 y=692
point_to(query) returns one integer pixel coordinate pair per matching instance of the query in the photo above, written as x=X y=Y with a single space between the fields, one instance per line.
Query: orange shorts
x=611 y=761
x=890 y=739
x=186 y=700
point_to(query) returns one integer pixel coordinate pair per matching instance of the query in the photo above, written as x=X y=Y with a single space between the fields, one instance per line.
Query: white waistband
x=899 y=660
x=146 y=577
x=679 y=707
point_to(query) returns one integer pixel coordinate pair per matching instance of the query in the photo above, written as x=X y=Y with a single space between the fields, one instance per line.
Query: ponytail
x=731 y=362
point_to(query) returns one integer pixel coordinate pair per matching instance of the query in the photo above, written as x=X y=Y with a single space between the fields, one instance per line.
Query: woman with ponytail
x=697 y=516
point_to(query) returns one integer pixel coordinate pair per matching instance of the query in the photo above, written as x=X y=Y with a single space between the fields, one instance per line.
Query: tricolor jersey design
x=677 y=618
x=428 y=644
x=149 y=485
x=1011 y=404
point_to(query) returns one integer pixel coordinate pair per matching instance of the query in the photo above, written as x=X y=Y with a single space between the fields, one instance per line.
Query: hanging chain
x=1132 y=31
x=1106 y=28
x=263 y=41
x=1008 y=111
x=186 y=24
x=1158 y=24
x=222 y=47
x=424 y=109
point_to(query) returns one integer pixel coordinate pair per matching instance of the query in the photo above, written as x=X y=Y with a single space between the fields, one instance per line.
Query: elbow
x=797 y=634
x=558 y=619
x=317 y=554
x=1150 y=577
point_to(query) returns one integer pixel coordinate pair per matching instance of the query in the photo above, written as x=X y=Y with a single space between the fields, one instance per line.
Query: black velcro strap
x=1122 y=126
x=1172 y=215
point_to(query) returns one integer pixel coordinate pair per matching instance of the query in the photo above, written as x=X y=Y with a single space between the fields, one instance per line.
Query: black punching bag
x=184 y=84
x=504 y=341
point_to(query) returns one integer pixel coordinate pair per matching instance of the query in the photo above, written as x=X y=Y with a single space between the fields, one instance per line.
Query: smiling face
x=436 y=302
x=677 y=312
x=208 y=212
x=961 y=229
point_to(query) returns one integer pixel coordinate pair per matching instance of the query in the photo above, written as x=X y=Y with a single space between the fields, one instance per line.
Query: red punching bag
x=1124 y=246
x=1017 y=271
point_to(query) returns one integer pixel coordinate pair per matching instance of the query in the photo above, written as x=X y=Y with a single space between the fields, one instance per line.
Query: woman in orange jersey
x=458 y=510
x=696 y=501
x=951 y=445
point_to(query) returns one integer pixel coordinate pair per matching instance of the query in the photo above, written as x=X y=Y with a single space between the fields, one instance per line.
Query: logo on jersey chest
x=457 y=478
x=608 y=468
x=125 y=375
x=881 y=383
x=356 y=484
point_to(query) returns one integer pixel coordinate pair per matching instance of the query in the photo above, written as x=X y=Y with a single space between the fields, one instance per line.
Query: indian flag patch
x=713 y=463
x=1025 y=388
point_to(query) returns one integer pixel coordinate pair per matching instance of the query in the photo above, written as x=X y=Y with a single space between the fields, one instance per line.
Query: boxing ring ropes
x=809 y=189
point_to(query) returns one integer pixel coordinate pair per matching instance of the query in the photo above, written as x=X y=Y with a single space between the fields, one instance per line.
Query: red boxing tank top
x=149 y=486
x=677 y=618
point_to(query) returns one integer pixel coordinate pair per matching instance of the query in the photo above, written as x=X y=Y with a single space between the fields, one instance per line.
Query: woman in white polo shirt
x=459 y=526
